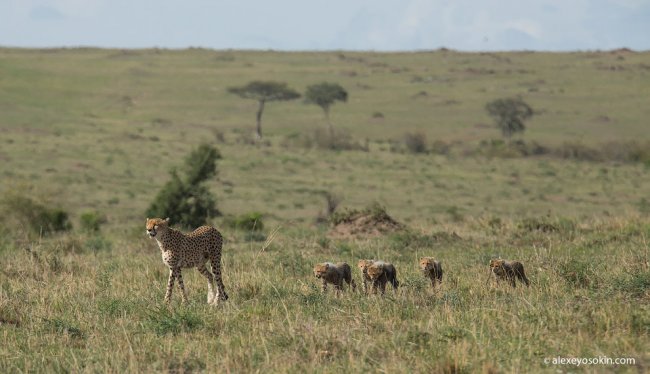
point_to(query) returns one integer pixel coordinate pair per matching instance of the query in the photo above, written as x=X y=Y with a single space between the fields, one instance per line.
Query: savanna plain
x=88 y=137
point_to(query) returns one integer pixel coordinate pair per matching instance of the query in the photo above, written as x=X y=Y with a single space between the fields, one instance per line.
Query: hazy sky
x=334 y=24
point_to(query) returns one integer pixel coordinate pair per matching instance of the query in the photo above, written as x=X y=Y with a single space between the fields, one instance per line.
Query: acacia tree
x=509 y=115
x=185 y=198
x=264 y=92
x=325 y=95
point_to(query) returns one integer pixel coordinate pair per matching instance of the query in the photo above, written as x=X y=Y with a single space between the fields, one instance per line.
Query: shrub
x=187 y=201
x=509 y=114
x=40 y=218
x=91 y=221
x=416 y=142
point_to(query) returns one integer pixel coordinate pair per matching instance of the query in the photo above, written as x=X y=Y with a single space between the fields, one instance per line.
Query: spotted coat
x=191 y=250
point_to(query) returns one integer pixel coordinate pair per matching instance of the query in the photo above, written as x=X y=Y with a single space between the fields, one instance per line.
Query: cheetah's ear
x=327 y=266
x=167 y=219
x=146 y=220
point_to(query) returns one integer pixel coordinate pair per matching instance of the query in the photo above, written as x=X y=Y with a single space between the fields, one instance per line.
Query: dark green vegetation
x=89 y=137
x=187 y=201
x=509 y=115
x=325 y=95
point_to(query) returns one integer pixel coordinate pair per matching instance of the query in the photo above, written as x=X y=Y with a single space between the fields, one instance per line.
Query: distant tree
x=187 y=201
x=263 y=92
x=509 y=115
x=325 y=95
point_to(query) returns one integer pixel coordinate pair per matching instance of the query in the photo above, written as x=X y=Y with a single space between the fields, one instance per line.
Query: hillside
x=98 y=131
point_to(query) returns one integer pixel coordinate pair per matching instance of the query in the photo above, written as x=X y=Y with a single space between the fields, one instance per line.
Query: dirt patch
x=372 y=221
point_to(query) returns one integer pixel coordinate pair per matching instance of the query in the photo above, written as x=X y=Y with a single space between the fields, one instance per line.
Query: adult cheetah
x=187 y=251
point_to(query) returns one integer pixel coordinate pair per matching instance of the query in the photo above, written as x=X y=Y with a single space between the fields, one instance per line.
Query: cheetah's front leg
x=170 y=286
x=181 y=285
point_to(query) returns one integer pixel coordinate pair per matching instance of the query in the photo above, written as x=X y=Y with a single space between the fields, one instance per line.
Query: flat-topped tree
x=263 y=92
x=325 y=95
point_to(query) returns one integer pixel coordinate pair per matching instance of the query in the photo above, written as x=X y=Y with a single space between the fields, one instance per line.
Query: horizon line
x=279 y=50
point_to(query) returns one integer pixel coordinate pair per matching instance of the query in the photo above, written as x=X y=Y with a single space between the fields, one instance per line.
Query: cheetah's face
x=363 y=265
x=320 y=270
x=154 y=225
x=495 y=265
x=426 y=264
x=375 y=271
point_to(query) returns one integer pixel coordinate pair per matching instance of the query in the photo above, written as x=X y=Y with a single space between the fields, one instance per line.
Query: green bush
x=509 y=114
x=40 y=218
x=416 y=142
x=92 y=221
x=187 y=201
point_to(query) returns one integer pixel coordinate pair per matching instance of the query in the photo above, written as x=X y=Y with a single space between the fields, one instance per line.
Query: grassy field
x=89 y=130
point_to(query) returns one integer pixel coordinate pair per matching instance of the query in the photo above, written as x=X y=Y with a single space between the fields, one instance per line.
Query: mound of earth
x=369 y=222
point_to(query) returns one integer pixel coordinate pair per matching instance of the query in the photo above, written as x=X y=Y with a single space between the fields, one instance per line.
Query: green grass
x=104 y=311
x=89 y=130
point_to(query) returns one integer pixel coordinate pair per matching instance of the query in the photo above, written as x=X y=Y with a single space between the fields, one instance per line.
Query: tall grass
x=104 y=312
x=90 y=136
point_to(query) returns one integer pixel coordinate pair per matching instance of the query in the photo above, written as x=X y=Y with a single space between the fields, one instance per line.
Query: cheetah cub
x=508 y=270
x=431 y=269
x=187 y=251
x=335 y=274
x=363 y=267
x=379 y=273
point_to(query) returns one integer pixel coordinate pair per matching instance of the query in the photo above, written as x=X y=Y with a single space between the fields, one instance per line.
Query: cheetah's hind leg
x=220 y=293
x=206 y=273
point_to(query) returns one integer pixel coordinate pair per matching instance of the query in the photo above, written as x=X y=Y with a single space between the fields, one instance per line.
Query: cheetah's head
x=154 y=225
x=321 y=269
x=496 y=264
x=375 y=271
x=364 y=264
x=427 y=264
